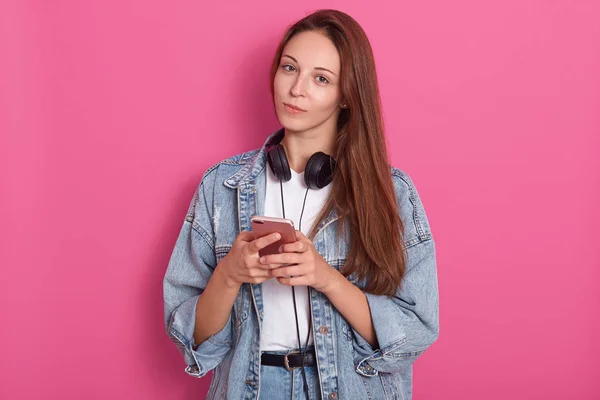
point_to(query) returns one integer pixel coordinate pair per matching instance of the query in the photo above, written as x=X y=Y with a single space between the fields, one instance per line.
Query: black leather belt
x=289 y=361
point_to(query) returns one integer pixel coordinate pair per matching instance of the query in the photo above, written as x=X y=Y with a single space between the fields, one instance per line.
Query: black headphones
x=319 y=168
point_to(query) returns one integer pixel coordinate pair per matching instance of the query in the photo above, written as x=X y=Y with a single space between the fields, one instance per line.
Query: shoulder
x=231 y=164
x=410 y=208
x=212 y=184
x=218 y=173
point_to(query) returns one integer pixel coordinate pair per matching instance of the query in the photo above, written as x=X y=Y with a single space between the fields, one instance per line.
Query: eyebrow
x=319 y=68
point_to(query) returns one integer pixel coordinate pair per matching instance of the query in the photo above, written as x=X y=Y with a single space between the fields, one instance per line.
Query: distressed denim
x=406 y=324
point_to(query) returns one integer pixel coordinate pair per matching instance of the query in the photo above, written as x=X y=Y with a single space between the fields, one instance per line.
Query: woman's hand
x=299 y=263
x=241 y=264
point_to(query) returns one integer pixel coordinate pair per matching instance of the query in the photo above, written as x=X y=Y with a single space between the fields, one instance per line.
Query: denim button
x=333 y=395
x=323 y=330
x=365 y=369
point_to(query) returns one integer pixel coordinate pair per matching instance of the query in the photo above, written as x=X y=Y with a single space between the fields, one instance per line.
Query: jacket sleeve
x=190 y=267
x=407 y=323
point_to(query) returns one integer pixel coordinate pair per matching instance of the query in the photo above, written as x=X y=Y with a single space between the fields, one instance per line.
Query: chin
x=292 y=124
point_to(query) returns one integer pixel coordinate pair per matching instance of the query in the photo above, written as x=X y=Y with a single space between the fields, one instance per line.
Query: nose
x=299 y=87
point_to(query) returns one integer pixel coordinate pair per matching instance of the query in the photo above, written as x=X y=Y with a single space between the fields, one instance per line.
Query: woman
x=363 y=268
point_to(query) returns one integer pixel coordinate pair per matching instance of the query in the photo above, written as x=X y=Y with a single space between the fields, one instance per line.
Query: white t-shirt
x=278 y=330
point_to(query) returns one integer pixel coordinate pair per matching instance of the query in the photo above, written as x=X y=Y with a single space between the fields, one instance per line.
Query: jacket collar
x=253 y=168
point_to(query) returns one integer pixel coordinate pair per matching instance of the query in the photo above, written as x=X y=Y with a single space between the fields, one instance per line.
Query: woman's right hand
x=241 y=264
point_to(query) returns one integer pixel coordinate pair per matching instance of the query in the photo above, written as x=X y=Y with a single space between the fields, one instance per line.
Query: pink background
x=110 y=111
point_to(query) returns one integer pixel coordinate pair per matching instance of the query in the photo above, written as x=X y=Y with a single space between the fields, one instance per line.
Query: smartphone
x=262 y=226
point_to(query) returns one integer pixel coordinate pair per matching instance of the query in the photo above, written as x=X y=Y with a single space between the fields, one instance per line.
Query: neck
x=299 y=146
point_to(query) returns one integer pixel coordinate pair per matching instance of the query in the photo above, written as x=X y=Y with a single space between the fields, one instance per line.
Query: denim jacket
x=406 y=324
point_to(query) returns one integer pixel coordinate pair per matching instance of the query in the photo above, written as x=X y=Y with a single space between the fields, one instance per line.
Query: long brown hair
x=363 y=192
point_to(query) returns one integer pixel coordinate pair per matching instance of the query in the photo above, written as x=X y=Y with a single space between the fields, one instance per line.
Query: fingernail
x=262 y=260
x=276 y=236
x=280 y=249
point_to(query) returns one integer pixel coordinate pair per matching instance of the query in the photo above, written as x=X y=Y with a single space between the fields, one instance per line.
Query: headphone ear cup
x=279 y=164
x=319 y=170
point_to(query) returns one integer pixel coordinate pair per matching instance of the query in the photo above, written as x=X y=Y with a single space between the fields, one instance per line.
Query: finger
x=282 y=258
x=288 y=271
x=301 y=236
x=256 y=280
x=296 y=247
x=295 y=281
x=263 y=242
x=245 y=236
x=267 y=267
x=258 y=273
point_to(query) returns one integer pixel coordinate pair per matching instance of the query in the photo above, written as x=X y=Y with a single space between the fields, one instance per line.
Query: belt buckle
x=286 y=360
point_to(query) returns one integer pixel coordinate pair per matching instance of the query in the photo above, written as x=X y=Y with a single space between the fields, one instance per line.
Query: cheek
x=279 y=85
x=326 y=100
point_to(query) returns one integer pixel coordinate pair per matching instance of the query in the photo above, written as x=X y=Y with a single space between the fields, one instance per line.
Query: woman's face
x=307 y=84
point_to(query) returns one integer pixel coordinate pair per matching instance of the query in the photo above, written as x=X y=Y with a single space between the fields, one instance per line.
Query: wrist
x=225 y=281
x=335 y=283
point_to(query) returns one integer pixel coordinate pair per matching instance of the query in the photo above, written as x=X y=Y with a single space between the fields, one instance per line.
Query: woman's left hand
x=307 y=266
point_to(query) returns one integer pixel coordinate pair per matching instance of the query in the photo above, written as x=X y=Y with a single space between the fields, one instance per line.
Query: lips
x=293 y=109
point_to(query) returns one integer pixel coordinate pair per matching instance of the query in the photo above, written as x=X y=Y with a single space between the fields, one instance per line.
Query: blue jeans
x=277 y=383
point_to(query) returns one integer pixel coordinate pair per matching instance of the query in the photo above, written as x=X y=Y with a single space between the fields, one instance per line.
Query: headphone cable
x=302 y=350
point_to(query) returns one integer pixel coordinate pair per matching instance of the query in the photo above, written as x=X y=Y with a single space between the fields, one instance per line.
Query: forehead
x=313 y=49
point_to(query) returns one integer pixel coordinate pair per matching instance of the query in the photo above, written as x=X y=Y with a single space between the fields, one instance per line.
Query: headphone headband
x=319 y=168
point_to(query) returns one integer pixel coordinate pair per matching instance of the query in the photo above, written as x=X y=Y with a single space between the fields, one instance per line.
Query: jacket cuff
x=383 y=311
x=370 y=361
x=210 y=353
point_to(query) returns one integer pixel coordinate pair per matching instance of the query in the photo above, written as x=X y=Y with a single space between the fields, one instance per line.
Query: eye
x=322 y=79
x=288 y=68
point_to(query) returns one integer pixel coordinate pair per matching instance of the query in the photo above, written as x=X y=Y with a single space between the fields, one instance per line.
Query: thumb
x=246 y=236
